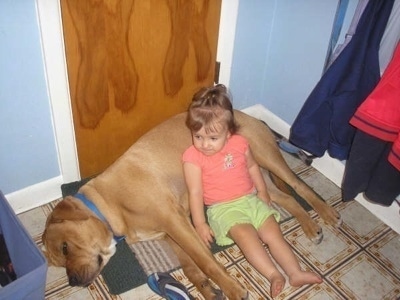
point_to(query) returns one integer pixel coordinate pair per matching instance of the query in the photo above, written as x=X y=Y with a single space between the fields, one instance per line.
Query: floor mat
x=123 y=272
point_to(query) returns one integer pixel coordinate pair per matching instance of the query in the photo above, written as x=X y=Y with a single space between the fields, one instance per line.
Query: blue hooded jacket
x=323 y=122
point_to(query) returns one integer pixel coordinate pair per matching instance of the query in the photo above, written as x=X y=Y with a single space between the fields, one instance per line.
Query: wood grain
x=132 y=64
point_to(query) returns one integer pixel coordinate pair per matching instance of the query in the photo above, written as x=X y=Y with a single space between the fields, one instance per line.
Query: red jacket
x=379 y=114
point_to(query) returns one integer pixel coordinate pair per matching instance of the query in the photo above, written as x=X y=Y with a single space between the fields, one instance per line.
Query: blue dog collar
x=89 y=204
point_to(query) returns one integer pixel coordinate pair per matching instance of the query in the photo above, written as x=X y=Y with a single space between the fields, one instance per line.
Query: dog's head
x=76 y=239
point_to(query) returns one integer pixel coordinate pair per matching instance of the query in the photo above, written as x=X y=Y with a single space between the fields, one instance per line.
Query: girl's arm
x=192 y=175
x=256 y=176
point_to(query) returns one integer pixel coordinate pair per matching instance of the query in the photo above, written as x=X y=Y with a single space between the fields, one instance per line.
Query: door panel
x=131 y=65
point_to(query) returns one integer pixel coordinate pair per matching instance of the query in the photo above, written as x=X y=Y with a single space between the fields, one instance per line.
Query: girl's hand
x=264 y=196
x=205 y=233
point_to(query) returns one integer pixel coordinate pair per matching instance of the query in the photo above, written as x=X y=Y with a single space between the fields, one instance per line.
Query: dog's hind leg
x=325 y=211
x=269 y=157
x=275 y=188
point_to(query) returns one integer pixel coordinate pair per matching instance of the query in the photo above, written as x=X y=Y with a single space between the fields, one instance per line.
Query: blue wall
x=279 y=52
x=27 y=151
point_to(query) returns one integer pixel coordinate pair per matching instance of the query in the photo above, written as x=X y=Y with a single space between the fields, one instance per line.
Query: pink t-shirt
x=225 y=175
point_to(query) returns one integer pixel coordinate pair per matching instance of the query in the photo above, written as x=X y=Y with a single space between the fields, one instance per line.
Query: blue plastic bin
x=28 y=261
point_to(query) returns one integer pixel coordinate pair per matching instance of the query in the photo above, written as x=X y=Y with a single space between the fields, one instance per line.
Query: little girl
x=221 y=173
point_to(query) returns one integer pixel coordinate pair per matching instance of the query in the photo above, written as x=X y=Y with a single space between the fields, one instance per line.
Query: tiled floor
x=359 y=260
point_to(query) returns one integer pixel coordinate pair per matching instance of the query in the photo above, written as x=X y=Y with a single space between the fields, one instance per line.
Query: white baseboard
x=332 y=168
x=35 y=195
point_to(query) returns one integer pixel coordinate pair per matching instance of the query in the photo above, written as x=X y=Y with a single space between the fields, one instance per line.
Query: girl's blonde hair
x=212 y=109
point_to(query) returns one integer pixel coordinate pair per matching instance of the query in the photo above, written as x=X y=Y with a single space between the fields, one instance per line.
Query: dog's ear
x=46 y=255
x=67 y=209
x=53 y=259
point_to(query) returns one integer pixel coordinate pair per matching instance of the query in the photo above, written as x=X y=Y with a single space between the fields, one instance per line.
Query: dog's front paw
x=210 y=292
x=218 y=294
x=318 y=237
x=312 y=230
x=329 y=214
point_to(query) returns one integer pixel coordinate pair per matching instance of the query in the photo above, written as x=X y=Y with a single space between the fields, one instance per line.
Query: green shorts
x=248 y=209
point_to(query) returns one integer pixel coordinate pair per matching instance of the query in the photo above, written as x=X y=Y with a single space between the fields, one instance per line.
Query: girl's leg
x=247 y=239
x=270 y=233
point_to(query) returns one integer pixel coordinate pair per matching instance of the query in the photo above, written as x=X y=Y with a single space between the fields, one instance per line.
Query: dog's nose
x=73 y=280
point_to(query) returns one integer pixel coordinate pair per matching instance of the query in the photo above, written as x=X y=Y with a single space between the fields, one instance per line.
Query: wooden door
x=132 y=64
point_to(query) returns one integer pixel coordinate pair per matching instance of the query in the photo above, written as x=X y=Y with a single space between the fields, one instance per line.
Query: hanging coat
x=374 y=162
x=379 y=114
x=323 y=122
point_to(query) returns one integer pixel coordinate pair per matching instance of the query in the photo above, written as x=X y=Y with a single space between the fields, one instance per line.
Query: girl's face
x=211 y=142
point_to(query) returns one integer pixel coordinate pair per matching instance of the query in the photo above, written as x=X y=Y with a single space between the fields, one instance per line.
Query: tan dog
x=143 y=196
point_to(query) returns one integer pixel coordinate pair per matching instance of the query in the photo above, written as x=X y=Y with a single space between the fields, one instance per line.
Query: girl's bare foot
x=304 y=277
x=277 y=283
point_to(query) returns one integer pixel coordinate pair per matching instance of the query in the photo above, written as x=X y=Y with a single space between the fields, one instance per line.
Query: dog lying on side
x=143 y=196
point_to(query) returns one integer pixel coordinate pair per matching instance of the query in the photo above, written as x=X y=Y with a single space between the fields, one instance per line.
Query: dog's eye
x=65 y=248
x=99 y=260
